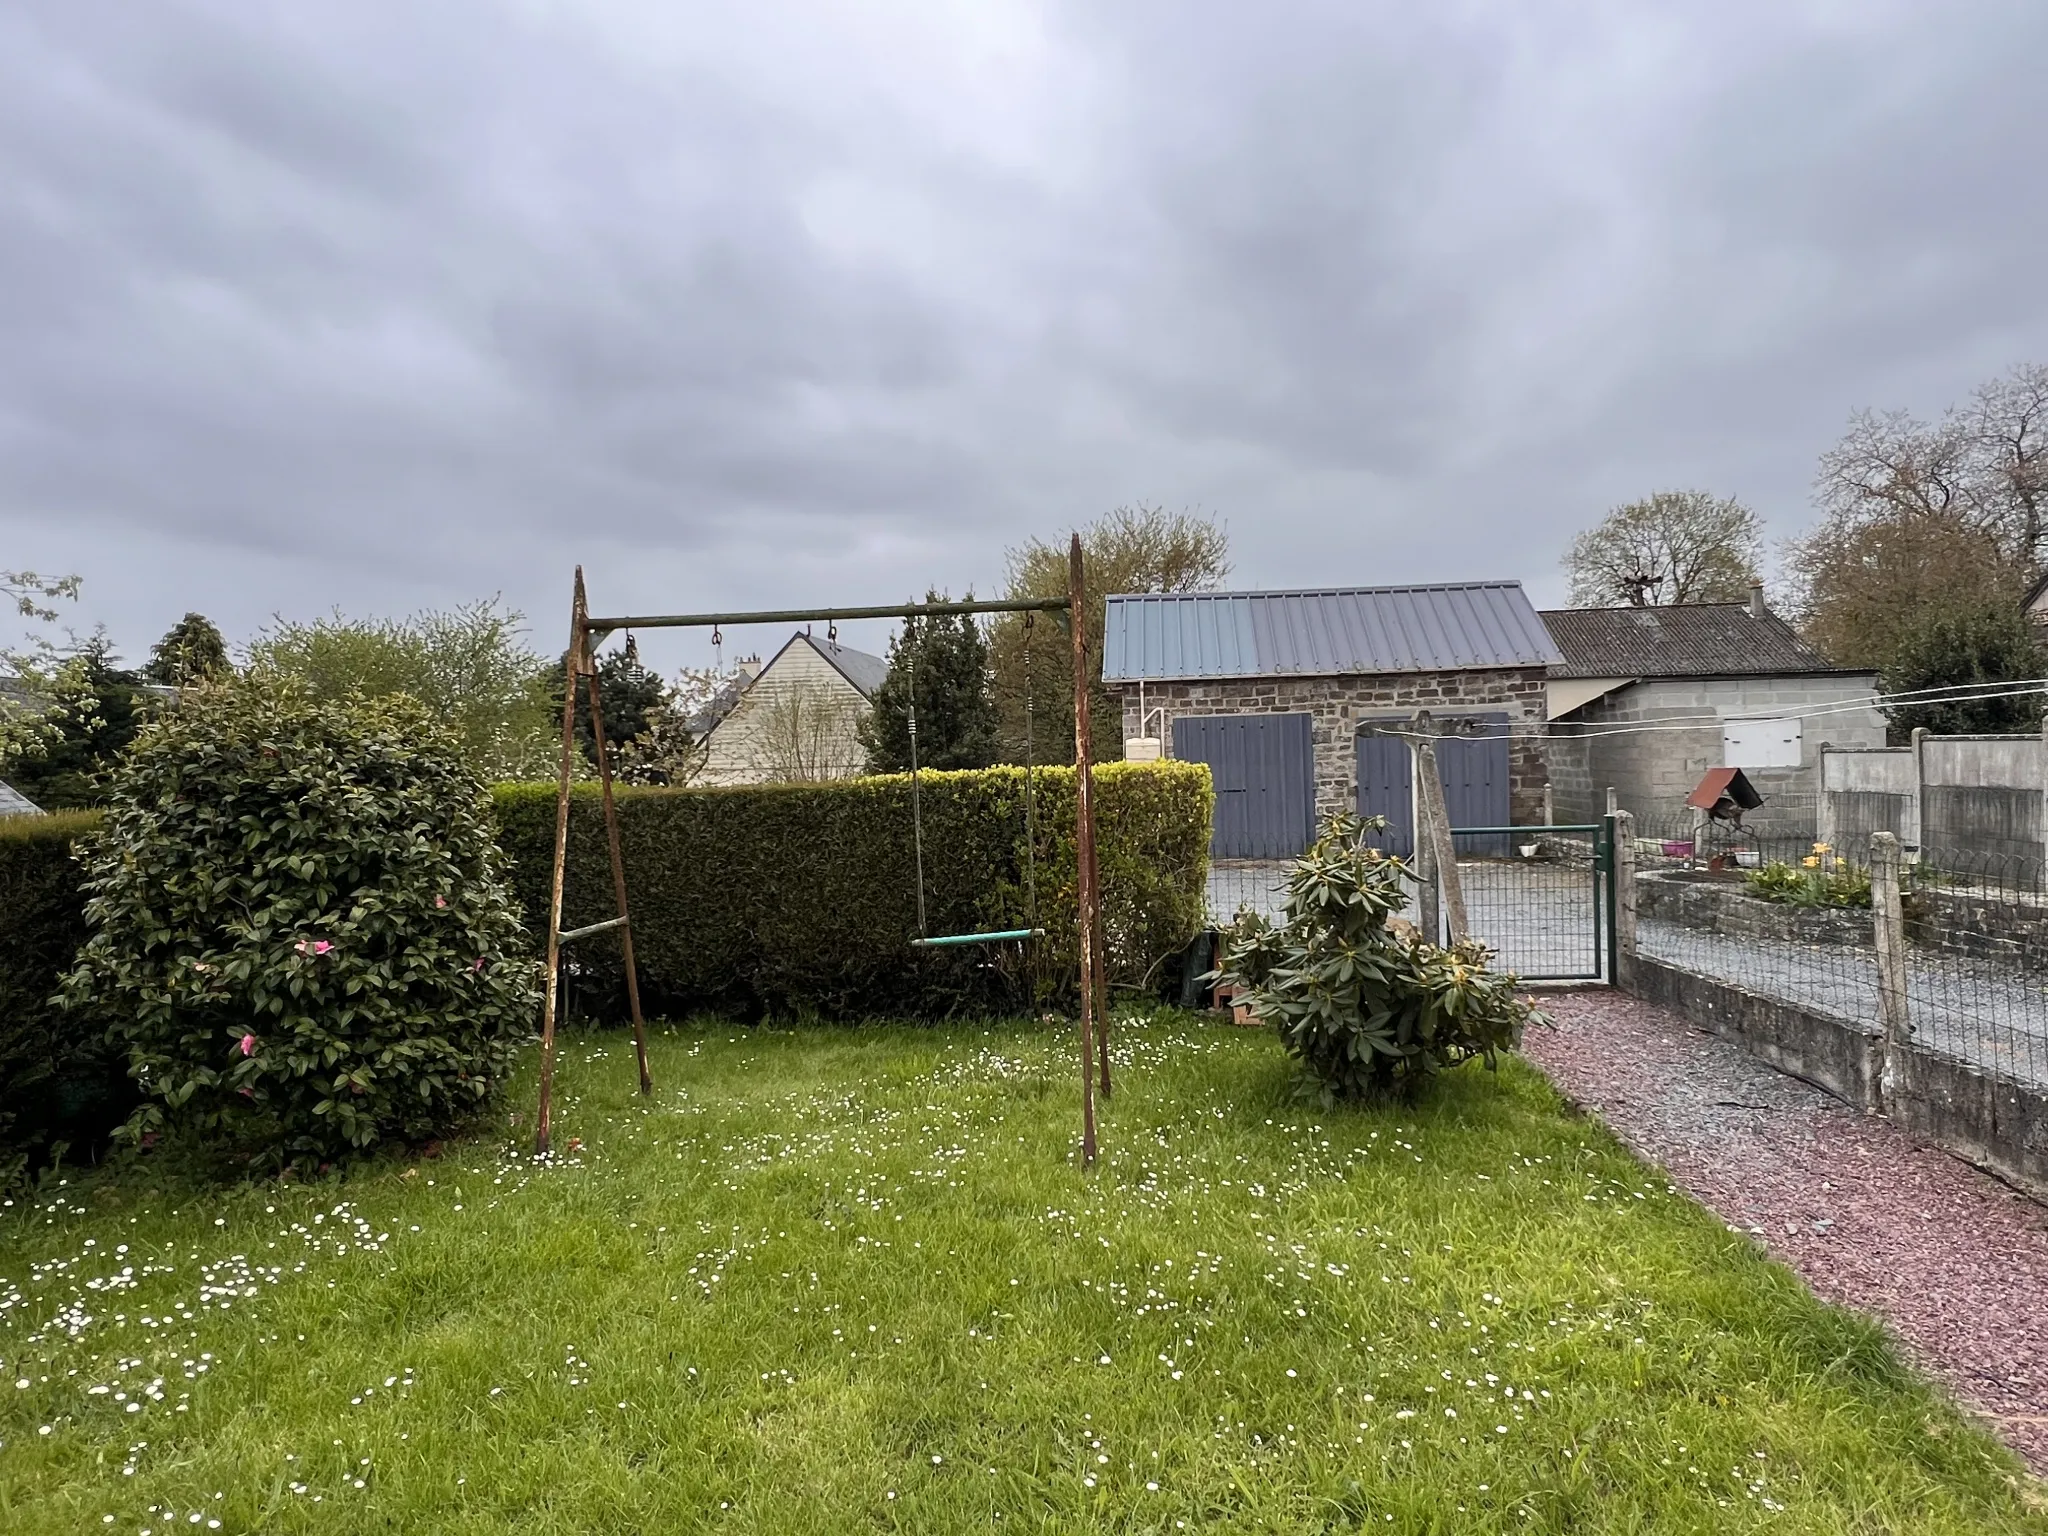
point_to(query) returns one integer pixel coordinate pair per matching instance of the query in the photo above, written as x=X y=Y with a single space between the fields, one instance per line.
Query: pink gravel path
x=1954 y=1262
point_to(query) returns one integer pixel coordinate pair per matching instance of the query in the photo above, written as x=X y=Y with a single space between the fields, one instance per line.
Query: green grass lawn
x=836 y=1280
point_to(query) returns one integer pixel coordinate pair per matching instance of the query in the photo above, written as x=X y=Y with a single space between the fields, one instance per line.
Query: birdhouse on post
x=1724 y=794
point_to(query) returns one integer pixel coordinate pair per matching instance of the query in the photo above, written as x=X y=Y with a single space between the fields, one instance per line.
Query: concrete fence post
x=1824 y=802
x=1888 y=919
x=1915 y=835
x=2044 y=790
x=1624 y=898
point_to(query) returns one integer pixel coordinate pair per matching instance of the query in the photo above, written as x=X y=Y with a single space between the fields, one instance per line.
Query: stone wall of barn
x=1343 y=706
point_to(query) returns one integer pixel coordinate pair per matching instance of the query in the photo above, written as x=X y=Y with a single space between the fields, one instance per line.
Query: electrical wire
x=1489 y=730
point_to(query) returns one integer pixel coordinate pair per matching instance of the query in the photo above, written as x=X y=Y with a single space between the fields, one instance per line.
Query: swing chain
x=1030 y=784
x=916 y=800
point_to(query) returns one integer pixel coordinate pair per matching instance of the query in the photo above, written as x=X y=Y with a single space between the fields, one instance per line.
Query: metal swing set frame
x=587 y=634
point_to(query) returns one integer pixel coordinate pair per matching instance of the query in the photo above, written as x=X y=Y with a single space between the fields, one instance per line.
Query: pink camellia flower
x=313 y=946
x=479 y=963
x=440 y=901
x=248 y=1045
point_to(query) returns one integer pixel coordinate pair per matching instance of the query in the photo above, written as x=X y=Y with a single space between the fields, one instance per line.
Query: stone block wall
x=1341 y=707
x=1653 y=770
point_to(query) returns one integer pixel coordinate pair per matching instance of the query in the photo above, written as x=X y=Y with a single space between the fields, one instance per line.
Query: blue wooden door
x=1386 y=787
x=1474 y=770
x=1474 y=773
x=1263 y=767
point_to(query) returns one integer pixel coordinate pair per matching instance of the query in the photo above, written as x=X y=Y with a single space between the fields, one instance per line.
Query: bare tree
x=807 y=732
x=2007 y=426
x=1671 y=547
x=1919 y=515
x=1983 y=465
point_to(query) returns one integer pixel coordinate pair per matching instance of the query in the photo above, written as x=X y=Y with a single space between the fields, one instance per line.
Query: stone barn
x=1303 y=703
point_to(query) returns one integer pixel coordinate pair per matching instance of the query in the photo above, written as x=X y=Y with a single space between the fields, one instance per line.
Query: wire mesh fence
x=1532 y=896
x=1791 y=919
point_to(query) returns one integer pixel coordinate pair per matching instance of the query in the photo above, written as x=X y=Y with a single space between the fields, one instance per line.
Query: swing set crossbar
x=827 y=615
x=946 y=941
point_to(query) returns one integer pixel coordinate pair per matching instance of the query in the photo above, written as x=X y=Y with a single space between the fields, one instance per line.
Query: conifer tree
x=944 y=658
x=191 y=651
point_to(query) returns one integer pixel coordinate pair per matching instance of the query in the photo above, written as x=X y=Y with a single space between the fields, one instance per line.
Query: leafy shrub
x=59 y=1084
x=299 y=927
x=1368 y=1010
x=1823 y=879
x=802 y=898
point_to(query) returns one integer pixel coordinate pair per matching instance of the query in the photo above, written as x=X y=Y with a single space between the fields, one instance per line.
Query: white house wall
x=738 y=750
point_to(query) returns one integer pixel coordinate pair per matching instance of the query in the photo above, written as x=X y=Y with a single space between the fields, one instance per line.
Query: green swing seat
x=947 y=940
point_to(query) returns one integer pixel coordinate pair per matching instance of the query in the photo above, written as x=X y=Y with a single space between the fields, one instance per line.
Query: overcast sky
x=381 y=306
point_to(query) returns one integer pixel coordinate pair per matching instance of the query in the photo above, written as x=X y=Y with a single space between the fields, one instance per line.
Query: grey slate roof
x=1685 y=640
x=14 y=803
x=865 y=672
x=1325 y=632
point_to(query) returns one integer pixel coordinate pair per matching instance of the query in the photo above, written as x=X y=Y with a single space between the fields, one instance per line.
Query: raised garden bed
x=1716 y=902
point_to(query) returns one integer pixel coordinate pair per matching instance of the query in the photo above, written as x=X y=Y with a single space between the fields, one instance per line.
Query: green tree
x=470 y=666
x=1131 y=549
x=1971 y=648
x=940 y=662
x=85 y=729
x=191 y=651
x=1670 y=547
x=635 y=701
x=1860 y=584
x=301 y=930
x=36 y=674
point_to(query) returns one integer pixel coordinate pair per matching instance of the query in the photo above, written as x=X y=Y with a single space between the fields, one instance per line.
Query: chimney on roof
x=1756 y=601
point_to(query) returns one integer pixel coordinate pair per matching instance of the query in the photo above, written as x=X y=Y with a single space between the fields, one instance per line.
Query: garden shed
x=1302 y=703
x=1646 y=700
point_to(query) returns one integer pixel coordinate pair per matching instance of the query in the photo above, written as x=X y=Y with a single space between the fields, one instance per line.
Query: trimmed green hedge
x=801 y=899
x=787 y=899
x=57 y=1082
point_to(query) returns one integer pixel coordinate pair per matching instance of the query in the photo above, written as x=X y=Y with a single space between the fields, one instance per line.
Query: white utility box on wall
x=1761 y=744
x=1141 y=749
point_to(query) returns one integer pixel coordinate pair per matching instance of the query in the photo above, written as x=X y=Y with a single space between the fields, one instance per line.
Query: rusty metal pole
x=573 y=665
x=1084 y=843
x=611 y=832
x=1101 y=981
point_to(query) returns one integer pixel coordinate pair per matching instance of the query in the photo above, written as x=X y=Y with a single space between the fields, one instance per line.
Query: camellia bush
x=299 y=928
x=1369 y=1009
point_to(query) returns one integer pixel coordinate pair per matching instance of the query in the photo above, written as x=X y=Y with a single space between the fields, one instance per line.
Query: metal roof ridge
x=1409 y=586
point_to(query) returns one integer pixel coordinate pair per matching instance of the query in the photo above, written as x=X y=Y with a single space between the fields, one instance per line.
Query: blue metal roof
x=1331 y=631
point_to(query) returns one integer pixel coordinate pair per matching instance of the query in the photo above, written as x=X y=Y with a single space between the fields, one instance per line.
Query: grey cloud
x=341 y=304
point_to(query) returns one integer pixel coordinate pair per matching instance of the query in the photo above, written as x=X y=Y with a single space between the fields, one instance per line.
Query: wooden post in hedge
x=1084 y=846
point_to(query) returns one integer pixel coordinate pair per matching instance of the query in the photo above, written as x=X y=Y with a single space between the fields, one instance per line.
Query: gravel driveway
x=1953 y=1261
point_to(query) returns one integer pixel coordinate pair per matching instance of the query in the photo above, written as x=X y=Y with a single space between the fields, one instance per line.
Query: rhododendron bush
x=1369 y=1008
x=300 y=929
